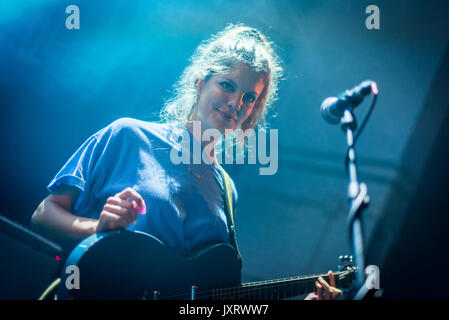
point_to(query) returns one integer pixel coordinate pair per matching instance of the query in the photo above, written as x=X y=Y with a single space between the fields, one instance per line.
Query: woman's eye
x=249 y=98
x=227 y=86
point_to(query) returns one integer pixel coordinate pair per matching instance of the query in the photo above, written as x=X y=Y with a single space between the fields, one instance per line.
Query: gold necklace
x=198 y=176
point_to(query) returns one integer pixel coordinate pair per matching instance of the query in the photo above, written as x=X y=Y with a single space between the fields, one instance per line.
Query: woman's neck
x=197 y=130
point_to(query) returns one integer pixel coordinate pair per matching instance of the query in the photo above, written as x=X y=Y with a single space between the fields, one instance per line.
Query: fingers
x=325 y=286
x=330 y=291
x=120 y=211
x=122 y=207
x=336 y=293
x=319 y=291
x=331 y=278
x=311 y=296
x=110 y=221
x=324 y=290
x=126 y=205
x=130 y=193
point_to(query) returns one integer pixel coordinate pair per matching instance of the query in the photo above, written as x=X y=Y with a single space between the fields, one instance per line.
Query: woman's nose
x=235 y=101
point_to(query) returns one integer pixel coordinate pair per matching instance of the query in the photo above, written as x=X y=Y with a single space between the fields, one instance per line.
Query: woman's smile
x=227 y=116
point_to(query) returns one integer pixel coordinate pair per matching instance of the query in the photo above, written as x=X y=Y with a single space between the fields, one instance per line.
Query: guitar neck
x=277 y=289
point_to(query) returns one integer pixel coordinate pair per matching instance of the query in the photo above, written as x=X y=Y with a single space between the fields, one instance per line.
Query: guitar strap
x=229 y=210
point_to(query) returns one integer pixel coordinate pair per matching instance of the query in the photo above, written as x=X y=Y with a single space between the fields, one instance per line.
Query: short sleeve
x=98 y=167
x=78 y=168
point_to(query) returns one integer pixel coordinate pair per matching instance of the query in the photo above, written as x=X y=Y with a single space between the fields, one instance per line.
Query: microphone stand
x=359 y=200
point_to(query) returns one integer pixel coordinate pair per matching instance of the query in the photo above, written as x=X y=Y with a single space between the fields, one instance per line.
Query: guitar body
x=132 y=265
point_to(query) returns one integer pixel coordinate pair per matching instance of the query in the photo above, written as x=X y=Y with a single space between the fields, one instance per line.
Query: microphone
x=332 y=108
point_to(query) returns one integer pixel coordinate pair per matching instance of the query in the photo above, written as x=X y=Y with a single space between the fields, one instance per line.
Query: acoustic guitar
x=122 y=264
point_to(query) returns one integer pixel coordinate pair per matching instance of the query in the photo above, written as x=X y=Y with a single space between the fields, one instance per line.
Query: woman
x=127 y=168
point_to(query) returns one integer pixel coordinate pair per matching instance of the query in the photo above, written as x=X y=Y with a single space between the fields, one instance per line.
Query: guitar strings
x=255 y=287
x=247 y=289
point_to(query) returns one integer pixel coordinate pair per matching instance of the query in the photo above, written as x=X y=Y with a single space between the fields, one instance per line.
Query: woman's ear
x=199 y=84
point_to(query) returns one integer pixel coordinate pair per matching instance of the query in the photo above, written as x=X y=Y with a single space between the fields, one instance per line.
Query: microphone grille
x=325 y=110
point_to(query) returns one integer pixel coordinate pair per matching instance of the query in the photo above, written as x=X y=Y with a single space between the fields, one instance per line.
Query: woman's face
x=225 y=101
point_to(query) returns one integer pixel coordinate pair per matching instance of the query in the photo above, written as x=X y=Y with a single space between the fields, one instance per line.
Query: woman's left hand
x=330 y=291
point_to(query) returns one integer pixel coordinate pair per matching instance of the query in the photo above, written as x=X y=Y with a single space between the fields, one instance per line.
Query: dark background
x=58 y=86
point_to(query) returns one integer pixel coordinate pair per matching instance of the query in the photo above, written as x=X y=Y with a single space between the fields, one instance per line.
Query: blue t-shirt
x=185 y=208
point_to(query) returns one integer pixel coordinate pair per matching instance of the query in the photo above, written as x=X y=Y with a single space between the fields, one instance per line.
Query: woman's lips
x=226 y=115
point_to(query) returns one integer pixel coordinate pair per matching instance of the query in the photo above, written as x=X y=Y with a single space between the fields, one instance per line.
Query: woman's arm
x=53 y=217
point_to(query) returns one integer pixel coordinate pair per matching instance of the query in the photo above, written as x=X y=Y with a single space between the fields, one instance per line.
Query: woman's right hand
x=121 y=210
